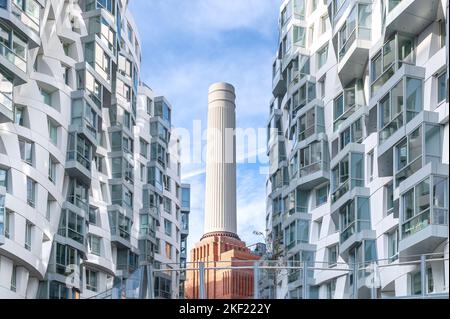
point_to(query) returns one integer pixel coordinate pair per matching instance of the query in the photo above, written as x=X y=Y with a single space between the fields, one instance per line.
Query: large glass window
x=396 y=51
x=357 y=26
x=167 y=227
x=91 y=280
x=393 y=239
x=13 y=47
x=321 y=195
x=78 y=194
x=31 y=192
x=442 y=87
x=429 y=195
x=26 y=151
x=94 y=244
x=354 y=217
x=311 y=159
x=322 y=56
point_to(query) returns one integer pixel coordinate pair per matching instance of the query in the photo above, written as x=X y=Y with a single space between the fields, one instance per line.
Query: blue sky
x=188 y=45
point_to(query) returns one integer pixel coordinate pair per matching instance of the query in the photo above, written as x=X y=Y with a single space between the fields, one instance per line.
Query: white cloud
x=208 y=17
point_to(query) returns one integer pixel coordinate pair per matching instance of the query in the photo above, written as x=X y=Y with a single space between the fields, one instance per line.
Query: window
x=130 y=33
x=321 y=195
x=408 y=155
x=14 y=278
x=4 y=177
x=31 y=192
x=185 y=196
x=323 y=24
x=26 y=151
x=332 y=256
x=167 y=203
x=322 y=86
x=143 y=148
x=299 y=36
x=442 y=87
x=442 y=33
x=94 y=245
x=19 y=115
x=311 y=35
x=322 y=55
x=389 y=198
x=420 y=200
x=142 y=173
x=28 y=235
x=371 y=163
x=167 y=227
x=149 y=106
x=93 y=215
x=168 y=250
x=393 y=239
x=125 y=66
x=6 y=218
x=163 y=110
x=91 y=280
x=158 y=246
x=52 y=164
x=331 y=288
x=46 y=97
x=354 y=217
x=53 y=132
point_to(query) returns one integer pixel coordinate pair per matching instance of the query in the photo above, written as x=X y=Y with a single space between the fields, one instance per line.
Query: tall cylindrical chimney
x=220 y=194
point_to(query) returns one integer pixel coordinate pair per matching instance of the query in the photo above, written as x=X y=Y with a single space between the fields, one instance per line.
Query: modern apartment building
x=358 y=140
x=90 y=186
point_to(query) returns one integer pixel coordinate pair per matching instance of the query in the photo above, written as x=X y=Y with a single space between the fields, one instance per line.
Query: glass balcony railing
x=12 y=57
x=360 y=33
x=348 y=111
x=29 y=16
x=74 y=155
x=395 y=52
x=312 y=168
x=355 y=227
x=408 y=170
x=6 y=101
x=80 y=203
x=424 y=219
x=340 y=191
x=391 y=127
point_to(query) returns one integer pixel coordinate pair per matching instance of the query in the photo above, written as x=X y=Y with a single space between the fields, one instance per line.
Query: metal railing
x=282 y=279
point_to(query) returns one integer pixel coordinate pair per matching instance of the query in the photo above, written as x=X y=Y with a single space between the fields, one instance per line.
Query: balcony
x=310 y=123
x=85 y=120
x=28 y=12
x=302 y=97
x=424 y=213
x=396 y=52
x=347 y=173
x=14 y=63
x=351 y=99
x=120 y=226
x=78 y=166
x=411 y=16
x=149 y=221
x=278 y=82
x=416 y=150
x=354 y=223
x=353 y=42
x=310 y=166
x=24 y=16
x=6 y=104
x=127 y=262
